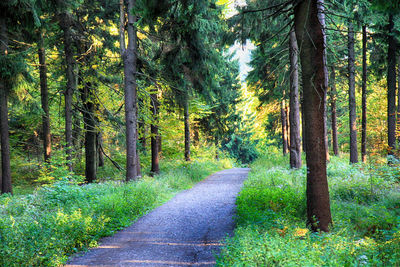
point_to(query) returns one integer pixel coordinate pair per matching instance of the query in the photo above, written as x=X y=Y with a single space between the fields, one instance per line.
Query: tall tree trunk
x=99 y=149
x=333 y=96
x=309 y=27
x=364 y=96
x=5 y=181
x=352 y=96
x=155 y=167
x=44 y=95
x=187 y=126
x=303 y=124
x=129 y=59
x=398 y=97
x=65 y=25
x=391 y=85
x=196 y=136
x=285 y=146
x=89 y=119
x=141 y=129
x=294 y=115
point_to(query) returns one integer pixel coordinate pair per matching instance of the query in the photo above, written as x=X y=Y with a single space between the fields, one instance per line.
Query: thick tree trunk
x=333 y=112
x=44 y=95
x=309 y=27
x=187 y=126
x=326 y=132
x=364 y=96
x=352 y=96
x=398 y=97
x=5 y=179
x=155 y=167
x=285 y=146
x=303 y=124
x=129 y=59
x=89 y=119
x=65 y=25
x=294 y=115
x=391 y=85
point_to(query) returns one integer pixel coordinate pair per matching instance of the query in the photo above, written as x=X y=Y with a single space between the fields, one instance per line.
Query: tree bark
x=89 y=119
x=99 y=147
x=352 y=96
x=309 y=27
x=285 y=146
x=364 y=96
x=187 y=126
x=333 y=96
x=391 y=85
x=65 y=25
x=294 y=115
x=154 y=104
x=44 y=95
x=129 y=59
x=303 y=124
x=5 y=181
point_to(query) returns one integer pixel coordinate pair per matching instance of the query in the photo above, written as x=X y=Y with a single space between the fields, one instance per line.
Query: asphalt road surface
x=185 y=231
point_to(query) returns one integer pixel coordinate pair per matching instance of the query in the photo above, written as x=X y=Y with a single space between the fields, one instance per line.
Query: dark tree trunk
x=364 y=96
x=326 y=132
x=333 y=113
x=309 y=27
x=76 y=134
x=391 y=85
x=5 y=181
x=89 y=119
x=65 y=25
x=141 y=129
x=285 y=146
x=196 y=136
x=352 y=96
x=155 y=167
x=129 y=59
x=99 y=149
x=303 y=124
x=44 y=95
x=398 y=97
x=294 y=115
x=187 y=126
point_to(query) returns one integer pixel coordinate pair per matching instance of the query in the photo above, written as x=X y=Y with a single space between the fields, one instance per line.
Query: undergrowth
x=271 y=224
x=57 y=220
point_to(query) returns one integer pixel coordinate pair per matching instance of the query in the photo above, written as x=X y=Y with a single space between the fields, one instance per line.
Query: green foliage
x=44 y=228
x=240 y=148
x=271 y=218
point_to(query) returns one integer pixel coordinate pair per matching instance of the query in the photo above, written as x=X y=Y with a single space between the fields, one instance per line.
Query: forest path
x=185 y=231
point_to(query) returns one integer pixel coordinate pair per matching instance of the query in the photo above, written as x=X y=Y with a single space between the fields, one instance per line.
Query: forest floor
x=186 y=231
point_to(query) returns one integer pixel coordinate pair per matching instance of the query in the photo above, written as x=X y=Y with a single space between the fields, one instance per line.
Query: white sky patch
x=243 y=54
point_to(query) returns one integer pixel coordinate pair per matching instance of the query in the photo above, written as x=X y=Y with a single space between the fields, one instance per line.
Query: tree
x=333 y=96
x=44 y=97
x=391 y=85
x=364 y=96
x=129 y=58
x=352 y=96
x=309 y=28
x=294 y=115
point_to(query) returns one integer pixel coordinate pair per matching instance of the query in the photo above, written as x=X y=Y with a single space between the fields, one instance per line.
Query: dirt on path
x=186 y=231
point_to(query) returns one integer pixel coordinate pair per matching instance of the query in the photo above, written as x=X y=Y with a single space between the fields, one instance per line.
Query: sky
x=242 y=51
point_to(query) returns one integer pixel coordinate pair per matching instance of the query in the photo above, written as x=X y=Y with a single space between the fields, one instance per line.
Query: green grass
x=45 y=227
x=271 y=228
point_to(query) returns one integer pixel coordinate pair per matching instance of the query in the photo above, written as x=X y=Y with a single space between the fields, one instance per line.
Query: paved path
x=186 y=231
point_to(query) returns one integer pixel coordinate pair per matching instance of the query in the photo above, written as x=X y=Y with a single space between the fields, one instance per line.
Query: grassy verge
x=365 y=203
x=44 y=228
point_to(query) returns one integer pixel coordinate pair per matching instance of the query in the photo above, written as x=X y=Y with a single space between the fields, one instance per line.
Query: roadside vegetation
x=62 y=217
x=271 y=217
